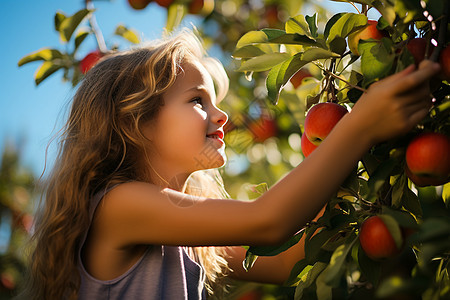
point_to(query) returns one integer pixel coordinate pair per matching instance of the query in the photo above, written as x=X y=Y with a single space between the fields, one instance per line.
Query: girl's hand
x=394 y=105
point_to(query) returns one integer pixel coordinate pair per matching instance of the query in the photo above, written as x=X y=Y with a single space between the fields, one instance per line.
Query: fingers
x=417 y=115
x=413 y=79
x=403 y=73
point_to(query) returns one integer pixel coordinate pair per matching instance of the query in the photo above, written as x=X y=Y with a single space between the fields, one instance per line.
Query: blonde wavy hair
x=99 y=147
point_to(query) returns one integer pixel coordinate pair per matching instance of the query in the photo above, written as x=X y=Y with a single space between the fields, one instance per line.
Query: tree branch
x=96 y=29
x=442 y=33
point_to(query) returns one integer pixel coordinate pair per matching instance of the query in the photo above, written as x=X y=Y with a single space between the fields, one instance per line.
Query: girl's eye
x=197 y=101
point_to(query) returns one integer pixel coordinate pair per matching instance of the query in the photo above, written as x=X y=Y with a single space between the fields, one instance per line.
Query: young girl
x=129 y=213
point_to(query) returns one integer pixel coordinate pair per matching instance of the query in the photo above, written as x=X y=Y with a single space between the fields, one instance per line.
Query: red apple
x=376 y=240
x=204 y=7
x=417 y=47
x=90 y=60
x=444 y=60
x=297 y=78
x=7 y=280
x=428 y=159
x=368 y=32
x=271 y=15
x=307 y=146
x=320 y=120
x=139 y=4
x=164 y=3
x=263 y=129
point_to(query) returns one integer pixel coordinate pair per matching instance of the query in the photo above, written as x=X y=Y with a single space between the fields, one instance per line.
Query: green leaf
x=252 y=37
x=175 y=14
x=403 y=218
x=313 y=54
x=263 y=62
x=248 y=52
x=371 y=269
x=433 y=229
x=394 y=229
x=45 y=54
x=330 y=24
x=274 y=250
x=127 y=34
x=298 y=25
x=393 y=285
x=59 y=17
x=386 y=10
x=295 y=39
x=46 y=69
x=338 y=45
x=446 y=194
x=380 y=175
x=312 y=22
x=79 y=38
x=346 y=24
x=309 y=278
x=336 y=266
x=377 y=58
x=275 y=36
x=323 y=290
x=261 y=188
x=298 y=271
x=411 y=202
x=280 y=74
x=69 y=24
x=313 y=247
x=249 y=261
x=398 y=189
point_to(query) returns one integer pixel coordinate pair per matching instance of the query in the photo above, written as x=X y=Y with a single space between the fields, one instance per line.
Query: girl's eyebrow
x=199 y=88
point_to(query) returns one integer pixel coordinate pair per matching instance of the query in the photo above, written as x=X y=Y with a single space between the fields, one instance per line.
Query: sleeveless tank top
x=162 y=272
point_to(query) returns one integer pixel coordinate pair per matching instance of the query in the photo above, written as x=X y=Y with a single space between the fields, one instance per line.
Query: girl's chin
x=213 y=160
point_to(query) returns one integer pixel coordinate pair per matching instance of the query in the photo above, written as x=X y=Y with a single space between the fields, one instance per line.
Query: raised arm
x=140 y=213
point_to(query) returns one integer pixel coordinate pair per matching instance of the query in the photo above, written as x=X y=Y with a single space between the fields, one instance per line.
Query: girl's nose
x=220 y=117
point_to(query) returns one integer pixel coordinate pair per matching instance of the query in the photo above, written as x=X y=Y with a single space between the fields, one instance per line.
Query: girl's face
x=188 y=131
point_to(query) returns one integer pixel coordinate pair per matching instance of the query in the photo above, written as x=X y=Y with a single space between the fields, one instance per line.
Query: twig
x=353 y=4
x=97 y=32
x=348 y=83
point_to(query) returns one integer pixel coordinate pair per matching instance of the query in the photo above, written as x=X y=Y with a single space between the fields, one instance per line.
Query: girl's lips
x=216 y=135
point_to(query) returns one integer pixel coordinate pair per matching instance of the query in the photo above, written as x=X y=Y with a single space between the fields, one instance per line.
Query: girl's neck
x=176 y=182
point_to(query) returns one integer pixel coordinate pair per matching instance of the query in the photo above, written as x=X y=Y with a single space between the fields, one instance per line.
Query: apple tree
x=385 y=233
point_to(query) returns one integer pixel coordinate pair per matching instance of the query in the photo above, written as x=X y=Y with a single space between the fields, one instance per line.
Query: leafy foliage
x=335 y=265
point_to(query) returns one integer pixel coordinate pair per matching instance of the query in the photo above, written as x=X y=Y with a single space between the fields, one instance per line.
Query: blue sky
x=30 y=115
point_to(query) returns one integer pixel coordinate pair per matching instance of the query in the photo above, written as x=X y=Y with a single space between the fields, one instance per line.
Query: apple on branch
x=298 y=77
x=320 y=120
x=418 y=47
x=263 y=128
x=369 y=32
x=306 y=145
x=204 y=7
x=376 y=239
x=428 y=159
x=139 y=4
x=90 y=60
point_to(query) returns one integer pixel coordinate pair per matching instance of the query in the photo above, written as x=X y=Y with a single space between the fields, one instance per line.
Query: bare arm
x=141 y=213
